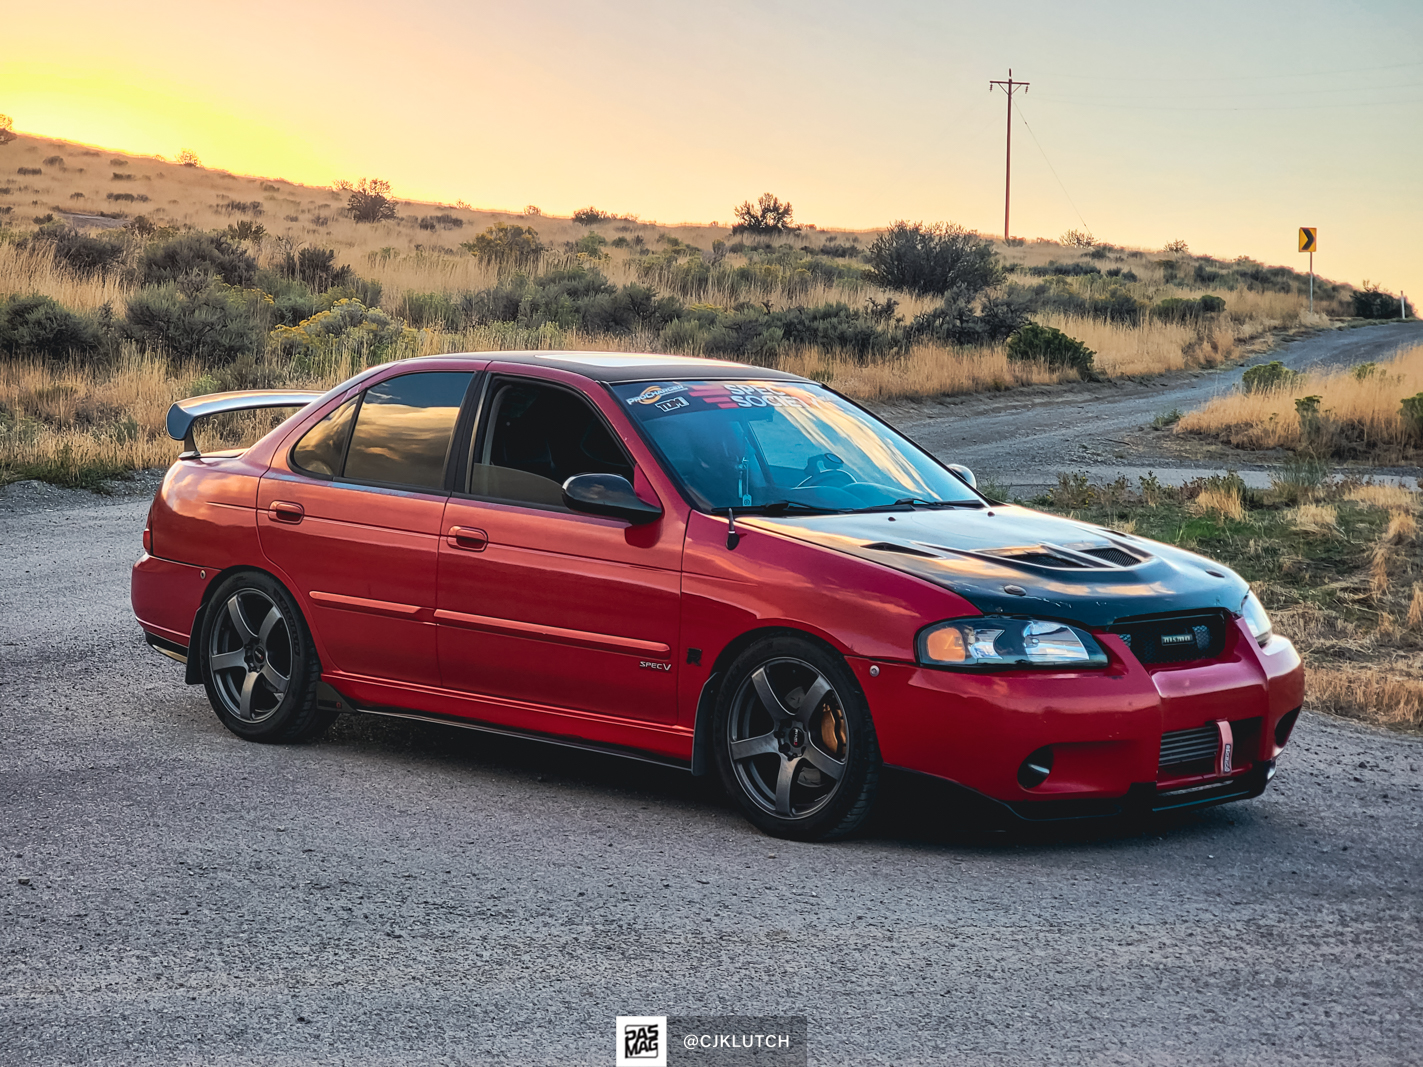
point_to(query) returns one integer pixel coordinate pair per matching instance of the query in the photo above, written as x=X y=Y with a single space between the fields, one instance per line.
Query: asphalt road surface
x=406 y=894
x=1024 y=437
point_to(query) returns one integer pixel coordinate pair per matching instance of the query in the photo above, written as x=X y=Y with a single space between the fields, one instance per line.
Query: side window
x=323 y=447
x=537 y=437
x=403 y=429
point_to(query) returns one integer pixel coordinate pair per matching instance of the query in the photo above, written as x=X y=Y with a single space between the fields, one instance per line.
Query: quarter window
x=322 y=448
x=403 y=430
x=538 y=437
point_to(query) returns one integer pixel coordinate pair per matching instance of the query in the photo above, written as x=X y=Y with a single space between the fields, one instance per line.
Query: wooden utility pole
x=1009 y=87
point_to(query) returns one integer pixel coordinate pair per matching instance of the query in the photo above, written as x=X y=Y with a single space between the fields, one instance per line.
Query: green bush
x=212 y=323
x=769 y=215
x=1051 y=346
x=507 y=246
x=1371 y=302
x=590 y=244
x=1413 y=410
x=933 y=260
x=587 y=216
x=347 y=323
x=187 y=254
x=84 y=255
x=38 y=326
x=1267 y=376
x=369 y=201
x=430 y=310
x=1181 y=309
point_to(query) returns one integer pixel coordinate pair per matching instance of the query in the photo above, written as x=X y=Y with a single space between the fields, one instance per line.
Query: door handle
x=285 y=511
x=467 y=538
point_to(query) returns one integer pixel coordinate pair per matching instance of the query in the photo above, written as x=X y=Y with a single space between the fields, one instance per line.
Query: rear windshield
x=758 y=443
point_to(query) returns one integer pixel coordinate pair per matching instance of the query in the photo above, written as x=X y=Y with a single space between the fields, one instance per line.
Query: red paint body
x=578 y=626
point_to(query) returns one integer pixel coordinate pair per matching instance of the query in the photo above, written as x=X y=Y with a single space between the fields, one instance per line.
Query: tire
x=805 y=769
x=259 y=666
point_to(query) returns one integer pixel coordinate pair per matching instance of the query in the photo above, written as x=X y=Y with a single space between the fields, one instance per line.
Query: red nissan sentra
x=701 y=564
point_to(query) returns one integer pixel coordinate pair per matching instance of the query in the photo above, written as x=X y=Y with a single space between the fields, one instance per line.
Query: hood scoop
x=1076 y=557
x=907 y=550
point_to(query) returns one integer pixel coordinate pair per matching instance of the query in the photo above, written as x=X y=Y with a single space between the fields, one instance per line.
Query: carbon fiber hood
x=1065 y=570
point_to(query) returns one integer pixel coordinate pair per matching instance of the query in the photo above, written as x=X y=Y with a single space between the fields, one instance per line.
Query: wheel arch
x=194 y=673
x=711 y=689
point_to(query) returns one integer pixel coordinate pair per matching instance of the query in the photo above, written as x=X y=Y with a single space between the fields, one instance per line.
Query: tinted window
x=538 y=437
x=403 y=430
x=323 y=447
x=749 y=444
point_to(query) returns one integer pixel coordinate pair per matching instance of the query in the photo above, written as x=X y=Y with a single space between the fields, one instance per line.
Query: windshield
x=759 y=444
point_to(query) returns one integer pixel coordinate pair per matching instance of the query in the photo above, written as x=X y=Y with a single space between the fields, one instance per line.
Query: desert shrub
x=1179 y=309
x=430 y=310
x=369 y=200
x=957 y=322
x=39 y=326
x=118 y=177
x=587 y=216
x=29 y=171
x=268 y=187
x=347 y=324
x=836 y=249
x=621 y=242
x=506 y=245
x=1015 y=242
x=84 y=255
x=212 y=323
x=1372 y=302
x=188 y=158
x=118 y=162
x=244 y=230
x=1412 y=409
x=441 y=222
x=1065 y=270
x=1177 y=248
x=241 y=207
x=316 y=269
x=291 y=300
x=1051 y=346
x=127 y=198
x=76 y=196
x=768 y=215
x=933 y=260
x=141 y=225
x=1077 y=239
x=197 y=253
x=7 y=133
x=590 y=244
x=53 y=161
x=1267 y=376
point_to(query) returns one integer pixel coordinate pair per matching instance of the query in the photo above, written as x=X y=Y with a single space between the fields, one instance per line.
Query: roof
x=634 y=366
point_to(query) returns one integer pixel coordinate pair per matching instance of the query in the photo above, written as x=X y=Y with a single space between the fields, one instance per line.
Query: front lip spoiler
x=1141 y=800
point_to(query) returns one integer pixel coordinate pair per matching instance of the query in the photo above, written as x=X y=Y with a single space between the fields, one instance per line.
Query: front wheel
x=259 y=666
x=794 y=740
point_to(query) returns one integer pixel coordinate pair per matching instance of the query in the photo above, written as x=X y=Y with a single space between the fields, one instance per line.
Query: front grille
x=1174 y=640
x=1190 y=751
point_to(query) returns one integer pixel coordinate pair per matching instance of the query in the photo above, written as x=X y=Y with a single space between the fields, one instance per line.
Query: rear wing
x=184 y=413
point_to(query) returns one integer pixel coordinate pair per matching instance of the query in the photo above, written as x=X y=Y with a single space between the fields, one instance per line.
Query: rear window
x=322 y=449
x=404 y=427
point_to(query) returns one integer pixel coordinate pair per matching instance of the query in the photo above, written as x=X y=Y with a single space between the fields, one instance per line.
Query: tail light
x=148 y=532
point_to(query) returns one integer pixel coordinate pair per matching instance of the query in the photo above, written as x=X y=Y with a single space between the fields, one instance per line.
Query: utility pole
x=1009 y=87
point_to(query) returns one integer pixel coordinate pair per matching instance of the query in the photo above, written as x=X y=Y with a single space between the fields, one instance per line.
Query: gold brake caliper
x=833 y=732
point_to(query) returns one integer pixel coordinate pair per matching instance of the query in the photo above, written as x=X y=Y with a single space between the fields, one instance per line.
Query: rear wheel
x=259 y=666
x=794 y=740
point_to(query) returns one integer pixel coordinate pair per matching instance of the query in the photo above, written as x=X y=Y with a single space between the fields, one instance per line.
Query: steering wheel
x=825 y=468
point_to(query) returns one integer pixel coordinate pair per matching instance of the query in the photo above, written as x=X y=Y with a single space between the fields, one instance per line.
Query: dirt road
x=1025 y=437
x=410 y=894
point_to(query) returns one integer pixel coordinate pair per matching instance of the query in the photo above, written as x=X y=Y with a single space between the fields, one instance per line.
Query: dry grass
x=26 y=271
x=1360 y=416
x=1315 y=519
x=1383 y=496
x=1224 y=501
x=1368 y=694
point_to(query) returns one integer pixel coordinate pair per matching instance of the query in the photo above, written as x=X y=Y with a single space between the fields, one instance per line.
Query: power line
x=1245 y=77
x=1070 y=102
x=1024 y=120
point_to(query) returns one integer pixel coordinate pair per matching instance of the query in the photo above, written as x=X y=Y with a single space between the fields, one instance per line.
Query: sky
x=1224 y=124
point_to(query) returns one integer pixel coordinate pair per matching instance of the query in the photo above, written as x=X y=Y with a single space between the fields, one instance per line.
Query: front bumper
x=1104 y=728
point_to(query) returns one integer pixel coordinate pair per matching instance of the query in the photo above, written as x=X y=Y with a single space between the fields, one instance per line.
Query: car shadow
x=913 y=810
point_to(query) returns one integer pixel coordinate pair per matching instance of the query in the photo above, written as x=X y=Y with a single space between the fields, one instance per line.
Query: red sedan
x=701 y=564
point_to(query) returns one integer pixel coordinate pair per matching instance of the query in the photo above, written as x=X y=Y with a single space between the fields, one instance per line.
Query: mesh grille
x=1181 y=749
x=1177 y=640
x=1120 y=557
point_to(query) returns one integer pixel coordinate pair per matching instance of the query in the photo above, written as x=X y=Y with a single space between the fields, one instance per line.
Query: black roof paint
x=613 y=367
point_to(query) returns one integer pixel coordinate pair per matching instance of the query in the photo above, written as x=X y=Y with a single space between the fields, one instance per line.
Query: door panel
x=541 y=604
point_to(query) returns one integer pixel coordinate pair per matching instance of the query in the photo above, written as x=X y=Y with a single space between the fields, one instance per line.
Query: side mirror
x=964 y=475
x=608 y=494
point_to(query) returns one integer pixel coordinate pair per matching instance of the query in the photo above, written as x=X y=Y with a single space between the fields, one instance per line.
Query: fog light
x=1036 y=768
x=1285 y=727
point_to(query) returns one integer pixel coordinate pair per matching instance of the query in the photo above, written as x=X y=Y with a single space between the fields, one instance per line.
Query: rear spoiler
x=184 y=413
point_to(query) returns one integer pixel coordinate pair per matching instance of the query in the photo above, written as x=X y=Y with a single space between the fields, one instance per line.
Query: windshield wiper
x=920 y=502
x=780 y=507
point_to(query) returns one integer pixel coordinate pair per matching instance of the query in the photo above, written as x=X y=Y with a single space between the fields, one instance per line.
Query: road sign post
x=1308 y=241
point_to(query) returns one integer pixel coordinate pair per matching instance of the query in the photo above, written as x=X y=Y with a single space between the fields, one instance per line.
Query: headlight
x=997 y=641
x=1255 y=616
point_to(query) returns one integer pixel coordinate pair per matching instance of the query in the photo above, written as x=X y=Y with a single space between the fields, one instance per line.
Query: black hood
x=1054 y=567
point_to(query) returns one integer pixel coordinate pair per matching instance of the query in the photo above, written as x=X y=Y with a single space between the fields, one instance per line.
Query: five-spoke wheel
x=794 y=740
x=259 y=666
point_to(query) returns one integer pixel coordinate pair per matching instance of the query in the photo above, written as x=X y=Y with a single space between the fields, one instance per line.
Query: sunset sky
x=1227 y=125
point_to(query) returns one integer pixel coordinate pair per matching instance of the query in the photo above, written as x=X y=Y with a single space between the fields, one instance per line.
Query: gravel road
x=402 y=893
x=1023 y=438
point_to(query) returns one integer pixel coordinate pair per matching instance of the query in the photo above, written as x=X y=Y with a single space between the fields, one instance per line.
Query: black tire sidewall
x=851 y=802
x=292 y=719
